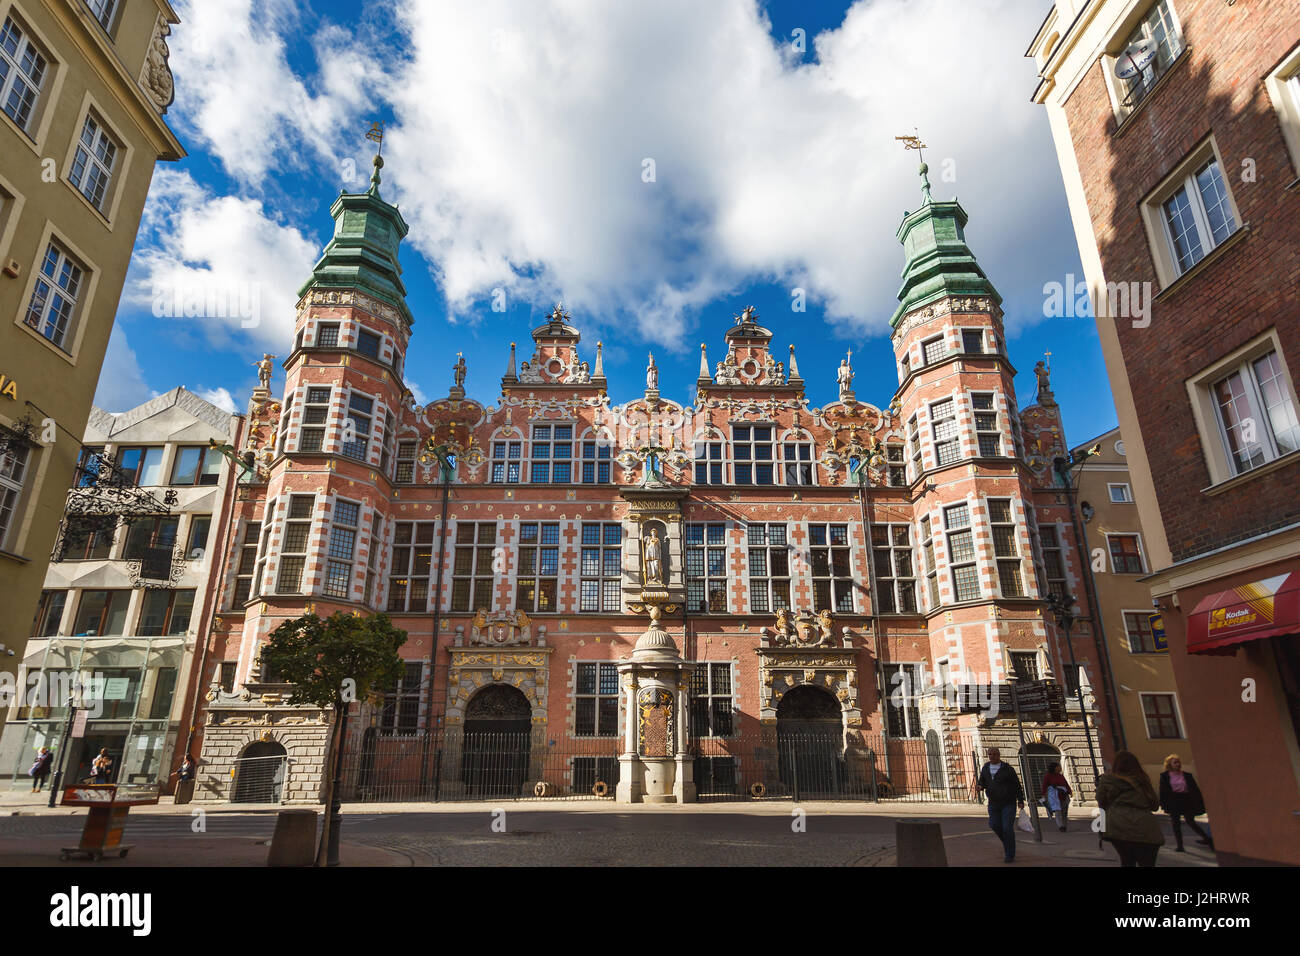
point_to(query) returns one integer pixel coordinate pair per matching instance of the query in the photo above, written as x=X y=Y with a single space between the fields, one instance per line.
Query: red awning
x=1268 y=608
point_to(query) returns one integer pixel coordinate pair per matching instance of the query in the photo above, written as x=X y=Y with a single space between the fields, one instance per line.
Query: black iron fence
x=775 y=765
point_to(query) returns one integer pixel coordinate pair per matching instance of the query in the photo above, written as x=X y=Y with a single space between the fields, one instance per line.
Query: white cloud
x=221 y=263
x=219 y=397
x=121 y=383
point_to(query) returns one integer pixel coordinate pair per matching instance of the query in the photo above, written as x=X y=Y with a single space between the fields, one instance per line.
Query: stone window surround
x=1178 y=714
x=71 y=348
x=1283 y=85
x=120 y=175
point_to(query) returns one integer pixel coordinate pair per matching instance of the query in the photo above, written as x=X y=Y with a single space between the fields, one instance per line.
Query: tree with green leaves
x=332 y=663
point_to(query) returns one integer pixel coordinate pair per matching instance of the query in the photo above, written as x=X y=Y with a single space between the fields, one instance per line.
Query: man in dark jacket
x=1000 y=783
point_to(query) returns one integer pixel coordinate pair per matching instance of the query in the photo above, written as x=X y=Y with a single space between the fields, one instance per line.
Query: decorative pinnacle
x=794 y=366
x=704 y=362
x=510 y=369
x=600 y=361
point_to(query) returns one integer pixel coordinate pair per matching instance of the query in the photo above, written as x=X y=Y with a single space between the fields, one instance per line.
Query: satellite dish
x=1135 y=59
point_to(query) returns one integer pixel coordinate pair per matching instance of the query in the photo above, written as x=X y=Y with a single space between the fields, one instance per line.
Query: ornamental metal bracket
x=157 y=568
x=104 y=500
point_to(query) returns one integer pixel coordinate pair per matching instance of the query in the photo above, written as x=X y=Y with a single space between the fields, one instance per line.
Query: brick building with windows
x=832 y=572
x=1177 y=125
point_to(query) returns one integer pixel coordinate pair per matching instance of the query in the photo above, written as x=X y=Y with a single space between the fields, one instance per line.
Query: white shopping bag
x=1024 y=822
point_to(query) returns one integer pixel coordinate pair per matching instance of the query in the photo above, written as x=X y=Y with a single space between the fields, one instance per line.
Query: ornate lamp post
x=1064 y=609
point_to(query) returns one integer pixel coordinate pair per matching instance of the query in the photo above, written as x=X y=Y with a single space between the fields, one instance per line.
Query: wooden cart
x=109 y=805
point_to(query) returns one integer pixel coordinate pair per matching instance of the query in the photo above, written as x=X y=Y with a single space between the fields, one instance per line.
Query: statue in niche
x=654 y=566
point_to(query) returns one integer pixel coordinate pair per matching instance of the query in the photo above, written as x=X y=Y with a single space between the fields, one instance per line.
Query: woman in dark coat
x=40 y=771
x=1128 y=802
x=1181 y=798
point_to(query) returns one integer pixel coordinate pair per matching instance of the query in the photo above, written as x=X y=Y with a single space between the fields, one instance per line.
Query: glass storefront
x=128 y=685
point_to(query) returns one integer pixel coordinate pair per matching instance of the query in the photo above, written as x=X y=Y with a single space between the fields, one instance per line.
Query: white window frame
x=98 y=172
x=27 y=45
x=995 y=432
x=954 y=566
x=707 y=580
x=1126 y=492
x=362 y=442
x=1160 y=237
x=322 y=427
x=605 y=602
x=767 y=581
x=573 y=459
x=1144 y=613
x=799 y=463
x=105 y=11
x=1283 y=86
x=911 y=686
x=752 y=443
x=338 y=533
x=78 y=297
x=13 y=495
x=505 y=459
x=942 y=343
x=1142 y=551
x=1120 y=90
x=1209 y=423
x=304 y=587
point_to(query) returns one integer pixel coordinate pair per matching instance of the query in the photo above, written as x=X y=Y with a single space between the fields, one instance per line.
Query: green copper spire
x=939 y=263
x=363 y=254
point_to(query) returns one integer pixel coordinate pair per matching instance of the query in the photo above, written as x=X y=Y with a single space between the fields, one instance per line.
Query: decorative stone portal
x=655 y=766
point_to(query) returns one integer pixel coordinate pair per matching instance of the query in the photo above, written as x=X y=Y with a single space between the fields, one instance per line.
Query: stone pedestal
x=655 y=766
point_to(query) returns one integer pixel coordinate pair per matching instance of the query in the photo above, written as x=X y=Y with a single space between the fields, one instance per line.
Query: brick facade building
x=1177 y=124
x=526 y=579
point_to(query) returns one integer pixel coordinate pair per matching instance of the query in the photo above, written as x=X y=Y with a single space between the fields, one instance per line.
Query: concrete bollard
x=294 y=843
x=919 y=843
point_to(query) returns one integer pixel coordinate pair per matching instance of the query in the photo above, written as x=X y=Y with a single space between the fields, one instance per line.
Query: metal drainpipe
x=1117 y=736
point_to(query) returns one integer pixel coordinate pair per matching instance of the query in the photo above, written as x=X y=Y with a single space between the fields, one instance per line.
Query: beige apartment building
x=1149 y=713
x=84 y=88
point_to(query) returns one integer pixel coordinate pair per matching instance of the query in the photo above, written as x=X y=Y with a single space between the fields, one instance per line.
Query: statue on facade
x=845 y=377
x=748 y=316
x=728 y=372
x=459 y=370
x=652 y=375
x=1044 y=376
x=264 y=368
x=654 y=569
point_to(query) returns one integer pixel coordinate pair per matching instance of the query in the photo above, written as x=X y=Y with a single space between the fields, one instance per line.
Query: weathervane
x=913 y=142
x=376 y=135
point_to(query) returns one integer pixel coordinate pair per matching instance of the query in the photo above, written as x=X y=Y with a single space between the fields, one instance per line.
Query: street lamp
x=1065 y=610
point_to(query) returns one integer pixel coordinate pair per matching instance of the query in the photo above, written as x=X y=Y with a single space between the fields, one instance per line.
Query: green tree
x=332 y=663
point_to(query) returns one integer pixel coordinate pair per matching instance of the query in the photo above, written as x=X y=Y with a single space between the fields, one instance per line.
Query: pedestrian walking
x=1180 y=797
x=1001 y=785
x=101 y=767
x=40 y=770
x=1057 y=792
x=1128 y=802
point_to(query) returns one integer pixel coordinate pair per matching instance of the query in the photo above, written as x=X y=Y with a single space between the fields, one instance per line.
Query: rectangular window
x=897 y=466
x=196 y=466
x=1161 y=715
x=601 y=568
x=400 y=713
x=54 y=298
x=1257 y=419
x=226 y=675
x=972 y=341
x=798 y=463
x=315 y=413
x=943 y=421
x=706 y=568
x=832 y=568
x=934 y=350
x=986 y=425
x=708 y=463
x=101 y=614
x=327 y=335
x=92 y=165
x=200 y=528
x=1024 y=665
x=961 y=553
x=1125 y=554
x=1198 y=216
x=552 y=454
x=891 y=547
x=104 y=11
x=247 y=564
x=711 y=701
x=472 y=571
x=1053 y=563
x=140 y=466
x=368 y=344
x=754 y=454
x=406 y=455
x=914 y=444
x=49 y=614
x=1137 y=625
x=166 y=613
x=360 y=414
x=22 y=72
x=412 y=566
x=372 y=559
x=1157 y=26
x=595 y=701
x=88 y=537
x=539 y=567
x=152 y=541
x=769 y=567
x=931 y=569
x=1120 y=494
x=342 y=549
x=902 y=688
x=293 y=546
x=505 y=461
x=595 y=463
x=386 y=448
x=1005 y=547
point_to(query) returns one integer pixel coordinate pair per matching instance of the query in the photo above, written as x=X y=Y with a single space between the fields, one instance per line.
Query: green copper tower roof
x=939 y=263
x=362 y=254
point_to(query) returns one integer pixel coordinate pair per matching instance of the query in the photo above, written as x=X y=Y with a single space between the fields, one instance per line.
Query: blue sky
x=519 y=135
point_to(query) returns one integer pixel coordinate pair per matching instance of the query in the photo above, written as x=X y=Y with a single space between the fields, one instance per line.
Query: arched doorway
x=498 y=725
x=1037 y=758
x=810 y=742
x=259 y=773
